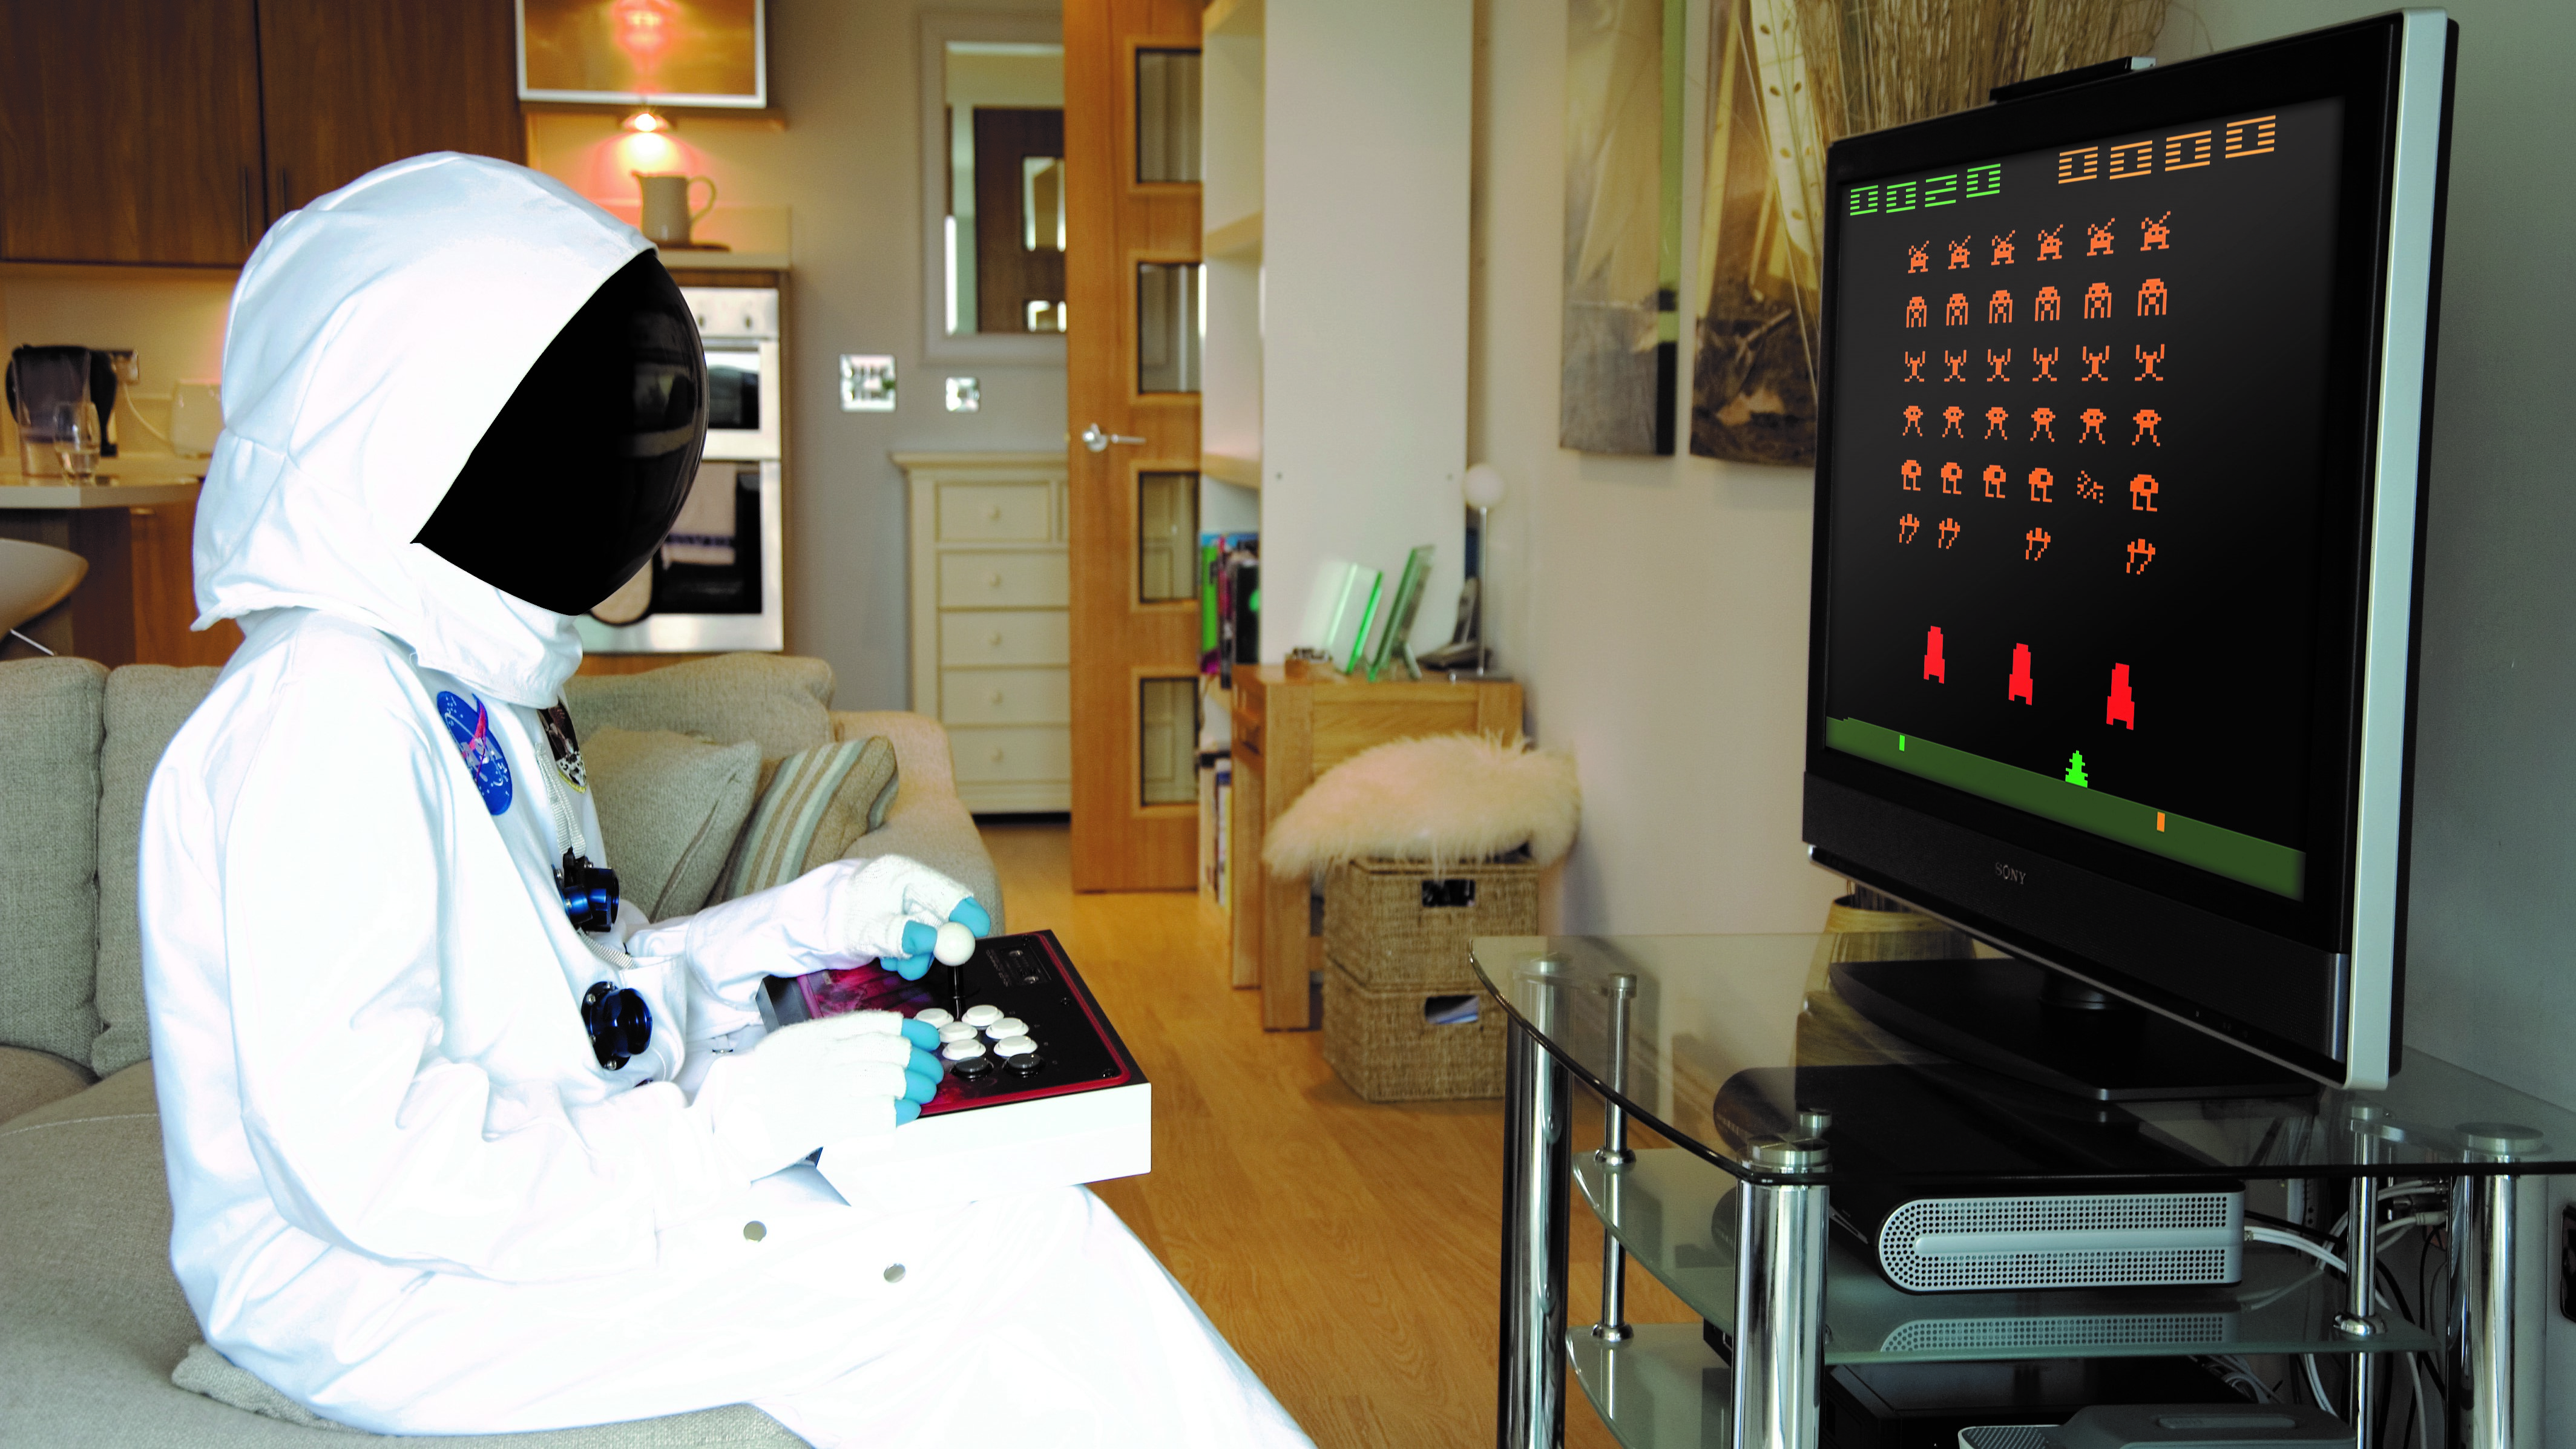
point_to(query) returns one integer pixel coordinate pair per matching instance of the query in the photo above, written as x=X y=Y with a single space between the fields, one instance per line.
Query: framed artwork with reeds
x=1787 y=78
x=1623 y=169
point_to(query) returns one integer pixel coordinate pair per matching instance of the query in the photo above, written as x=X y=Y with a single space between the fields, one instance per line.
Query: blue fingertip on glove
x=921 y=1034
x=904 y=1111
x=968 y=914
x=910 y=968
x=918 y=1088
x=918 y=939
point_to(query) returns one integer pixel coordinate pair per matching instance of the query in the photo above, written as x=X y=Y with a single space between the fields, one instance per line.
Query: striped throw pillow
x=816 y=806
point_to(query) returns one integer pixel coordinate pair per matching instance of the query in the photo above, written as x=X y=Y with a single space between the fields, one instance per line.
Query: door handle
x=1099 y=441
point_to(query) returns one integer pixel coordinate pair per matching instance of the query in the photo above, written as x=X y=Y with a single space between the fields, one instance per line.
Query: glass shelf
x=1662 y=1389
x=1732 y=1037
x=1676 y=1217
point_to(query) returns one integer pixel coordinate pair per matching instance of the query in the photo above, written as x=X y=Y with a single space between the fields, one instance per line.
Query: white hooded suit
x=405 y=1192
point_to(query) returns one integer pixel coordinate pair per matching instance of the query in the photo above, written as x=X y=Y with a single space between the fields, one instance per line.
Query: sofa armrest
x=928 y=822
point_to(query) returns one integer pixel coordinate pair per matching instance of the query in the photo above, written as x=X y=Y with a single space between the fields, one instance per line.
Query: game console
x=1893 y=1127
x=1075 y=1109
x=2171 y=1426
x=1926 y=1405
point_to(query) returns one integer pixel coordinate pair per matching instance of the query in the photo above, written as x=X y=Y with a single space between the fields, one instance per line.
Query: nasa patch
x=471 y=724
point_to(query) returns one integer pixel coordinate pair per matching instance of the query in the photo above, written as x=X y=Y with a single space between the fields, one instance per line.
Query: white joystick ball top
x=955 y=944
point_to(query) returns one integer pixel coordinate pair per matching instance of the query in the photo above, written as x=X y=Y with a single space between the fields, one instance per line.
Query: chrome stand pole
x=1614 y=1157
x=1779 y=1299
x=2358 y=1320
x=1537 y=1160
x=2483 y=1230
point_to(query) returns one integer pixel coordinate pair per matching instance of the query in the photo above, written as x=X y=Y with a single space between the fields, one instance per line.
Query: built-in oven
x=718 y=580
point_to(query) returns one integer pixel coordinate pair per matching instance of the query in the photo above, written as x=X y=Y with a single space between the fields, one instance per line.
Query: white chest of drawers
x=989 y=647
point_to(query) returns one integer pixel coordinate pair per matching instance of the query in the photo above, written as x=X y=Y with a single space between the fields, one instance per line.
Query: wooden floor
x=1349 y=1251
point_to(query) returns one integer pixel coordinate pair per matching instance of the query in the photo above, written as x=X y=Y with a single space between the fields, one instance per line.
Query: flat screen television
x=2126 y=388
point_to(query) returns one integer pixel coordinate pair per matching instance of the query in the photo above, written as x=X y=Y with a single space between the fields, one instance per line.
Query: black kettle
x=53 y=375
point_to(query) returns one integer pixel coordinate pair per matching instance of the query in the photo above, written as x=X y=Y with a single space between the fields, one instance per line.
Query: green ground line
x=2214 y=848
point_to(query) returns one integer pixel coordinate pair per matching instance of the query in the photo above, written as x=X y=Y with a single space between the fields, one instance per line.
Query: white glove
x=833 y=915
x=816 y=1083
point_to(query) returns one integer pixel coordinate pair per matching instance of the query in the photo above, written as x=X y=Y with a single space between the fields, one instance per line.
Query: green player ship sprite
x=2075 y=771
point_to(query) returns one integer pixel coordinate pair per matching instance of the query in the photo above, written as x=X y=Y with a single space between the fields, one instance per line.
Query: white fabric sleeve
x=352 y=953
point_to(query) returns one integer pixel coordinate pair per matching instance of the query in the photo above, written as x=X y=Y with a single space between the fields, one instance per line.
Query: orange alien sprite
x=2157 y=234
x=2039 y=425
x=1995 y=420
x=1917 y=259
x=2146 y=420
x=1949 y=532
x=1999 y=306
x=2097 y=300
x=1913 y=422
x=2141 y=554
x=2151 y=297
x=2101 y=235
x=1958 y=254
x=2092 y=419
x=1950 y=421
x=1913 y=365
x=1950 y=476
x=1995 y=480
x=1956 y=314
x=2147 y=361
x=1912 y=473
x=2049 y=248
x=1915 y=313
x=1955 y=361
x=2045 y=360
x=2043 y=308
x=2093 y=364
x=2003 y=249
x=1996 y=362
x=1905 y=527
x=2036 y=544
x=2142 y=493
x=2087 y=486
x=2041 y=480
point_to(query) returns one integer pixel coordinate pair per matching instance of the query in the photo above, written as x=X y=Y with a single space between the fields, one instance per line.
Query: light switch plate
x=867 y=383
x=964 y=395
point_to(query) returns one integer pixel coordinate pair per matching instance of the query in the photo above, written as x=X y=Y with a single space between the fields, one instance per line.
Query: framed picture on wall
x=623 y=52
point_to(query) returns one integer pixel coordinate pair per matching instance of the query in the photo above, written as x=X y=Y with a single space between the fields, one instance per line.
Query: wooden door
x=349 y=85
x=1132 y=278
x=129 y=131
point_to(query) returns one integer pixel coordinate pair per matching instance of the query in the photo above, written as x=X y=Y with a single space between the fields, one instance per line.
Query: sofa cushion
x=777 y=701
x=927 y=822
x=92 y=1322
x=146 y=704
x=29 y=1080
x=816 y=805
x=49 y=733
x=670 y=808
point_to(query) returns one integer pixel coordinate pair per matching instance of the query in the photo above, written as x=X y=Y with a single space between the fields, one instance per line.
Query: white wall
x=1655 y=608
x=2489 y=979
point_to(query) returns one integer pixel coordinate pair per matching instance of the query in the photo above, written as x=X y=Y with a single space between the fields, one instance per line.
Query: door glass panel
x=1167 y=531
x=1167 y=115
x=1167 y=718
x=1171 y=323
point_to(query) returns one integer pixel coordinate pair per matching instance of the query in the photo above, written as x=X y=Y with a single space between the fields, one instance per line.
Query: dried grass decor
x=1881 y=63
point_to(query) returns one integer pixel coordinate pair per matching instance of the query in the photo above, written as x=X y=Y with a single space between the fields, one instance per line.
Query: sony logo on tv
x=2012 y=873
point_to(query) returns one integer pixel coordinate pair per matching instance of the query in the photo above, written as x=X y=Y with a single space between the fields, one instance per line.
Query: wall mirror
x=993 y=193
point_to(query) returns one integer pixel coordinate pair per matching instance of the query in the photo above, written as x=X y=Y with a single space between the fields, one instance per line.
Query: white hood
x=374 y=337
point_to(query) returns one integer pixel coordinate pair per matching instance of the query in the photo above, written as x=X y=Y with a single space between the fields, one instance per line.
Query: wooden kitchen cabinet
x=130 y=131
x=348 y=85
x=172 y=132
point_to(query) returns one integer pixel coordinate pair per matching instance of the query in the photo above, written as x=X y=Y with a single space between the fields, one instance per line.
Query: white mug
x=667 y=217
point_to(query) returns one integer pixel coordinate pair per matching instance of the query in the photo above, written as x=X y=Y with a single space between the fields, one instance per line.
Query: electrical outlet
x=964 y=395
x=867 y=383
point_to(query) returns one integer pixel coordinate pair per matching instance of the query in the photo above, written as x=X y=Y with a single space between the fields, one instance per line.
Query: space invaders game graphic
x=2077 y=411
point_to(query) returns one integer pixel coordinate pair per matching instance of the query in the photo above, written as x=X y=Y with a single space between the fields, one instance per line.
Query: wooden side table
x=1287 y=732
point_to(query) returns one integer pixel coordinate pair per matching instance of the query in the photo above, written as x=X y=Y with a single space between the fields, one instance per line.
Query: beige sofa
x=91 y=1319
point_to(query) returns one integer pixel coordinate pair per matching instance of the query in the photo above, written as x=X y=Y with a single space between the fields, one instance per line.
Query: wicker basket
x=1394 y=923
x=1381 y=1041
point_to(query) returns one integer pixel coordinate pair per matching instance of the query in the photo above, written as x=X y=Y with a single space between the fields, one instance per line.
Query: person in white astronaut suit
x=411 y=1188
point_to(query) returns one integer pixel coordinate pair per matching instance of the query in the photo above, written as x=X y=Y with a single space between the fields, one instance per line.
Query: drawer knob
x=994 y=638
x=992 y=581
x=992 y=513
x=997 y=696
x=997 y=754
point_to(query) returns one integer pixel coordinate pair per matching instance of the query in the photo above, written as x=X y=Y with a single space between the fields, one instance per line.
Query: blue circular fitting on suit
x=471 y=725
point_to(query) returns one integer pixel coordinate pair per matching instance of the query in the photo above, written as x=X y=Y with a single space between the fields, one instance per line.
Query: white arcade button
x=1013 y=1046
x=956 y=1031
x=1007 y=1026
x=983 y=1015
x=962 y=1051
x=933 y=1016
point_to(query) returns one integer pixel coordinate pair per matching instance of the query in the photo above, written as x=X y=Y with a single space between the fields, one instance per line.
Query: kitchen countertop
x=137 y=480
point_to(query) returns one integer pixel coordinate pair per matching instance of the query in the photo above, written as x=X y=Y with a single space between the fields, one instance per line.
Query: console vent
x=1982 y=1244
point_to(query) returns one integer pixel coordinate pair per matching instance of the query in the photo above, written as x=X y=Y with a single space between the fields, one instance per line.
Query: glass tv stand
x=1734 y=1049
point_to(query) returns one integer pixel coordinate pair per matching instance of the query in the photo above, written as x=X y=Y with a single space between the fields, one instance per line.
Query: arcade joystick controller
x=1040 y=1091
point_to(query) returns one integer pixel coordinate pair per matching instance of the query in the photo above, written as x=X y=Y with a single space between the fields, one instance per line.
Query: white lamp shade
x=33 y=578
x=1483 y=486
